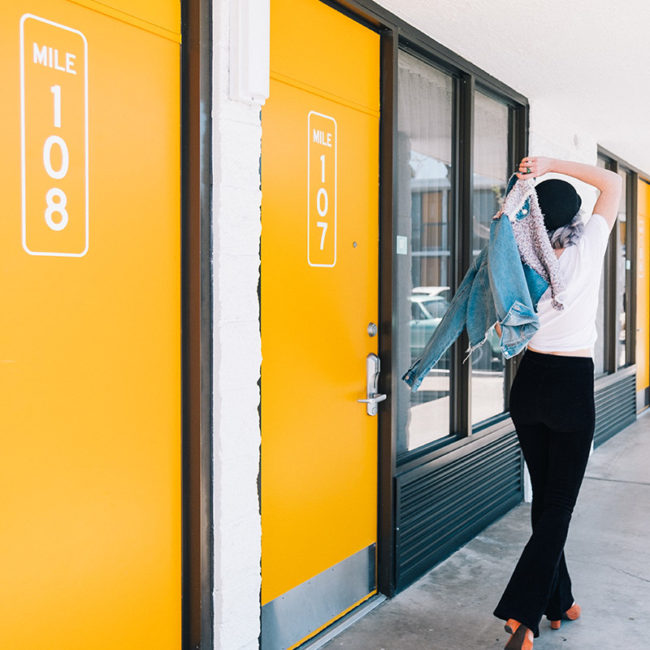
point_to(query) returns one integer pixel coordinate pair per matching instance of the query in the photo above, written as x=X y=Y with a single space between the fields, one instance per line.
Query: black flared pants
x=552 y=406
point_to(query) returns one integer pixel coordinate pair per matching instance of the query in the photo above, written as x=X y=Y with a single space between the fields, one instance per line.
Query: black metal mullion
x=387 y=290
x=461 y=393
x=609 y=270
x=610 y=302
x=630 y=281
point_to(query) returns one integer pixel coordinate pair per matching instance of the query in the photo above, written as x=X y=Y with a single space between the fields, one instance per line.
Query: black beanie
x=558 y=201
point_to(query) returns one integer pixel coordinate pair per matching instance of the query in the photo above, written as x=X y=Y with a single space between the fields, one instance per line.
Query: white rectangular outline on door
x=336 y=144
x=24 y=18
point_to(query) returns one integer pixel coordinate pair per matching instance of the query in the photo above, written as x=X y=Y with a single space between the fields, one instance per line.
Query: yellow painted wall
x=90 y=470
x=643 y=287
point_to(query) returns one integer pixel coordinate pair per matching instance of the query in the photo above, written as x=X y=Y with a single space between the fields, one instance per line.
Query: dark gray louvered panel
x=443 y=504
x=615 y=408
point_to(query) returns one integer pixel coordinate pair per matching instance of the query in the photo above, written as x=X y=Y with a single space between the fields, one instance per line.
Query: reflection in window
x=622 y=293
x=423 y=269
x=599 y=348
x=490 y=177
x=601 y=341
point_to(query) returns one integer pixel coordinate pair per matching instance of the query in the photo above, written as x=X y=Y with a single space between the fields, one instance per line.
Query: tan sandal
x=522 y=637
x=571 y=614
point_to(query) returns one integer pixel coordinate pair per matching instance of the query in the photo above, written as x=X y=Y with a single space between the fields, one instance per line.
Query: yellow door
x=319 y=308
x=90 y=469
x=643 y=290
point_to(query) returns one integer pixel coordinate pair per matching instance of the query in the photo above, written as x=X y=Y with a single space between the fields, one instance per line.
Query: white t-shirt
x=574 y=328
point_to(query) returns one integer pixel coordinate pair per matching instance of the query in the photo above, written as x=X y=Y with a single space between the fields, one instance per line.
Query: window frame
x=466 y=81
x=512 y=160
x=610 y=271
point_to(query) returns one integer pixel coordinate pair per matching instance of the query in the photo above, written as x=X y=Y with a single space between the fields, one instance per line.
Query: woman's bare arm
x=609 y=183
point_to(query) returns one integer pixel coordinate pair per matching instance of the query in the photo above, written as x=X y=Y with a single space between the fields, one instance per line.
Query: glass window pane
x=490 y=178
x=622 y=292
x=423 y=267
x=599 y=350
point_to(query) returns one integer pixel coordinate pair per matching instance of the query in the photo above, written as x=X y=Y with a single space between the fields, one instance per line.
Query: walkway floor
x=608 y=554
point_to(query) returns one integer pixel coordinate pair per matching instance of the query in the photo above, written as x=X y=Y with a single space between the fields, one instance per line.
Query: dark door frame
x=196 y=280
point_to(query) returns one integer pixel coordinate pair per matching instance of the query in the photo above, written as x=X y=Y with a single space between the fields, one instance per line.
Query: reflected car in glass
x=428 y=306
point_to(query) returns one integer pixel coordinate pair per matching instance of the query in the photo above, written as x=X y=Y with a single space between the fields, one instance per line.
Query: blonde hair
x=570 y=234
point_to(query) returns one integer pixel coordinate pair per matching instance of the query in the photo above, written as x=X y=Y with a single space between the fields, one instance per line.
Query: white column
x=240 y=86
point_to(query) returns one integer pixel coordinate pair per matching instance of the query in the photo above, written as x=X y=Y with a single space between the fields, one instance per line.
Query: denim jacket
x=497 y=287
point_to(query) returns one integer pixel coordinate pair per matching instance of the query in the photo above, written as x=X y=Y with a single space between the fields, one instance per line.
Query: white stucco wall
x=237 y=353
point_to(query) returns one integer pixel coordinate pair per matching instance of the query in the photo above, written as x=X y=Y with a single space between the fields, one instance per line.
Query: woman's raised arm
x=609 y=183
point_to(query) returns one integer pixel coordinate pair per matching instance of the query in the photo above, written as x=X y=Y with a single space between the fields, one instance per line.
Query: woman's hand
x=538 y=166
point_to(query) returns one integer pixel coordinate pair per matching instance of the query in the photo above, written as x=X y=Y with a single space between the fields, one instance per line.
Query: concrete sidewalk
x=608 y=554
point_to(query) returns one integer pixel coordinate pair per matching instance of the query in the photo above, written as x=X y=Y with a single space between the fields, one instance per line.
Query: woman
x=552 y=396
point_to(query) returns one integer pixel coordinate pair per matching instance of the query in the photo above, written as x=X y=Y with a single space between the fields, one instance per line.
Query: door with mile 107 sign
x=319 y=315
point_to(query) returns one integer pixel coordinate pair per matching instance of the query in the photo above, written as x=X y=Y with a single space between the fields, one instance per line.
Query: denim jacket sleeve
x=480 y=308
x=448 y=329
x=510 y=292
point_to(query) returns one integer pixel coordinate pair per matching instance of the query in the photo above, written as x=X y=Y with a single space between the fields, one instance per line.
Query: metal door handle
x=373 y=367
x=373 y=399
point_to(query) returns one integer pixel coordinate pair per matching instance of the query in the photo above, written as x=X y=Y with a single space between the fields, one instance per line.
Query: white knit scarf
x=531 y=236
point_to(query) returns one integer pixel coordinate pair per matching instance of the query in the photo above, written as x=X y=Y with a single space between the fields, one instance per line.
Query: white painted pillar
x=240 y=86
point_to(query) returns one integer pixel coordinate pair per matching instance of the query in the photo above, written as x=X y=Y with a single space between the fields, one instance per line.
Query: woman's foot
x=571 y=614
x=521 y=637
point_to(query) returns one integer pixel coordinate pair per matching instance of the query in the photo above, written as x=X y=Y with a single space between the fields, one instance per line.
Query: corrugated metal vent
x=615 y=408
x=441 y=505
